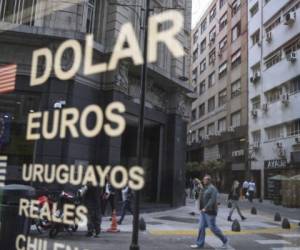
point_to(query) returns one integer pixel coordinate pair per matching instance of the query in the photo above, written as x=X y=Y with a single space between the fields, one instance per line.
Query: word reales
x=71 y=214
x=70 y=120
x=127 y=46
x=119 y=176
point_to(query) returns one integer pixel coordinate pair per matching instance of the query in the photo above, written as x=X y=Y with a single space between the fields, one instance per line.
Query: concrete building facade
x=219 y=118
x=26 y=25
x=274 y=86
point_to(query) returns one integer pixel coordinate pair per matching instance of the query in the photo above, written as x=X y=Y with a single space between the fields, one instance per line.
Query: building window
x=90 y=16
x=203 y=25
x=212 y=57
x=18 y=11
x=202 y=87
x=195 y=55
x=222 y=97
x=223 y=43
x=236 y=5
x=236 y=119
x=202 y=110
x=275 y=132
x=294 y=86
x=223 y=22
x=203 y=65
x=222 y=125
x=255 y=37
x=256 y=136
x=211 y=79
x=221 y=3
x=256 y=103
x=211 y=129
x=203 y=45
x=274 y=95
x=254 y=9
x=267 y=1
x=274 y=24
x=222 y=69
x=236 y=88
x=194 y=114
x=211 y=104
x=201 y=132
x=292 y=47
x=212 y=35
x=236 y=32
x=212 y=13
x=195 y=36
x=236 y=58
x=293 y=128
x=194 y=76
x=273 y=59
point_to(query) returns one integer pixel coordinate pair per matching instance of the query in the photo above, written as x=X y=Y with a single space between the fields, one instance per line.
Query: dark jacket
x=92 y=197
x=208 y=199
x=234 y=194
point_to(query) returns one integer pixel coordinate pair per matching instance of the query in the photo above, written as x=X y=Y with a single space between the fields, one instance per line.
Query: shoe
x=119 y=222
x=89 y=234
x=244 y=218
x=225 y=245
x=229 y=218
x=195 y=246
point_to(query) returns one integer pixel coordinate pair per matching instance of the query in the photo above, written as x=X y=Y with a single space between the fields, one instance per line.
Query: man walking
x=251 y=190
x=209 y=210
x=234 y=196
x=126 y=206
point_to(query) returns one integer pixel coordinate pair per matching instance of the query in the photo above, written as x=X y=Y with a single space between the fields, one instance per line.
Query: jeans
x=207 y=220
x=251 y=195
x=125 y=207
x=235 y=205
x=94 y=219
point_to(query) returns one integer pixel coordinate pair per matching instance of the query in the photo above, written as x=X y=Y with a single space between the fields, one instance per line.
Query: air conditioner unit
x=279 y=144
x=292 y=57
x=231 y=129
x=256 y=145
x=254 y=113
x=269 y=36
x=265 y=107
x=290 y=18
x=284 y=98
x=257 y=75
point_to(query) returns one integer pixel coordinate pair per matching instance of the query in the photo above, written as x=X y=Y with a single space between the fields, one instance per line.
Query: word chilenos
x=28 y=243
x=119 y=176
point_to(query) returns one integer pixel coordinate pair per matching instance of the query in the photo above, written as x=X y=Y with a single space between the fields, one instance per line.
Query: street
x=177 y=229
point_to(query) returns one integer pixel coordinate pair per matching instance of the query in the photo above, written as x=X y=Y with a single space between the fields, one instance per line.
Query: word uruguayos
x=119 y=176
x=71 y=214
x=126 y=46
x=29 y=243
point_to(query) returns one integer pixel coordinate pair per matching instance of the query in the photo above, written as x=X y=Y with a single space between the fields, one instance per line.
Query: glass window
x=294 y=86
x=256 y=136
x=222 y=69
x=222 y=125
x=90 y=16
x=222 y=97
x=236 y=88
x=194 y=76
x=293 y=128
x=212 y=35
x=195 y=54
x=275 y=132
x=236 y=58
x=211 y=129
x=273 y=59
x=223 y=43
x=212 y=79
x=202 y=87
x=194 y=114
x=221 y=3
x=256 y=103
x=211 y=104
x=236 y=119
x=203 y=65
x=223 y=22
x=236 y=32
x=203 y=25
x=255 y=37
x=202 y=110
x=203 y=45
x=274 y=95
x=254 y=9
x=236 y=5
x=195 y=36
x=201 y=132
x=212 y=13
x=212 y=57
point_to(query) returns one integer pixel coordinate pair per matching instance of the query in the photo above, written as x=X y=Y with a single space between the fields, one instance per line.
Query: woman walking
x=234 y=196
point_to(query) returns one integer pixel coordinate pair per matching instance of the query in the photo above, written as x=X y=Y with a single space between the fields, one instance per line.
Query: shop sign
x=276 y=164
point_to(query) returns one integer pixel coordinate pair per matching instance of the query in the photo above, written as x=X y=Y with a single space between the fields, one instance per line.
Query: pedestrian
x=191 y=187
x=92 y=202
x=234 y=196
x=108 y=197
x=245 y=188
x=126 y=203
x=251 y=190
x=209 y=209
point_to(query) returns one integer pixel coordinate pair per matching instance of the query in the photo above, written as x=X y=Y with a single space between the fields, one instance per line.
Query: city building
x=27 y=25
x=218 y=126
x=274 y=89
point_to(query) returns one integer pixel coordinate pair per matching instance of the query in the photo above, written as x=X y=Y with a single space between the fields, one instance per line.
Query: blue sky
x=199 y=7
